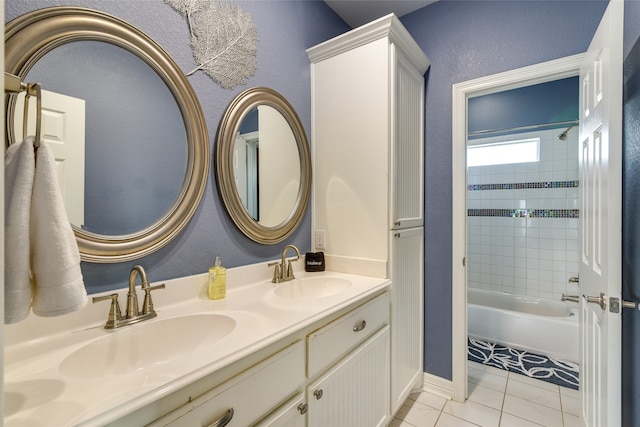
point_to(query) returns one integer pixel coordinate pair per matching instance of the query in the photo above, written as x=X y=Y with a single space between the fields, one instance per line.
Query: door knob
x=600 y=300
x=574 y=279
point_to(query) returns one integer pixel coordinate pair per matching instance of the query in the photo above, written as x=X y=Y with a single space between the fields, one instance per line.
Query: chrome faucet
x=132 y=313
x=282 y=273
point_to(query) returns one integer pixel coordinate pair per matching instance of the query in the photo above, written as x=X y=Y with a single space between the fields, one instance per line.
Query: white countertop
x=38 y=394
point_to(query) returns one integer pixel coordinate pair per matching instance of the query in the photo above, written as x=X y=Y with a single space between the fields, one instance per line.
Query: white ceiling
x=358 y=12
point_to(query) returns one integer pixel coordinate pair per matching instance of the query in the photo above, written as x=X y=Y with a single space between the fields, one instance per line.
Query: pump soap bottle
x=217 y=281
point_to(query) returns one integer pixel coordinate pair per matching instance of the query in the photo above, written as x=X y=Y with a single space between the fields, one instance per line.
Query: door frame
x=538 y=73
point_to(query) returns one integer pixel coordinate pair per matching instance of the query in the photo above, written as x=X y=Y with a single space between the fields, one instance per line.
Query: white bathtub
x=538 y=325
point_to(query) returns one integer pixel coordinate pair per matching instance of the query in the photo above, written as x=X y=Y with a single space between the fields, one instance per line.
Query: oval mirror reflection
x=117 y=134
x=266 y=166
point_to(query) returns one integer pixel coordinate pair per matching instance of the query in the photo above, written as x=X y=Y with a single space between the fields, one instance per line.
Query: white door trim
x=538 y=73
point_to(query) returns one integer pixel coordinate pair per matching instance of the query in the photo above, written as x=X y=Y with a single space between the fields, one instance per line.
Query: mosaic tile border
x=526 y=213
x=524 y=185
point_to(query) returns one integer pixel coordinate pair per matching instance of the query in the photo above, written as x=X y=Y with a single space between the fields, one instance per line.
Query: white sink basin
x=312 y=288
x=144 y=345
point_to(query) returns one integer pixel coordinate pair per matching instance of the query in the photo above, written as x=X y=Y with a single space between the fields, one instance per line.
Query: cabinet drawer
x=334 y=340
x=251 y=394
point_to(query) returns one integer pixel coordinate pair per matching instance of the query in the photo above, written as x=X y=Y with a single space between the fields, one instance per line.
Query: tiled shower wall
x=522 y=235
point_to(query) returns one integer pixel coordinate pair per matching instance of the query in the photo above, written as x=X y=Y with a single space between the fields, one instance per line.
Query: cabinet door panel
x=355 y=392
x=407 y=322
x=407 y=182
x=291 y=414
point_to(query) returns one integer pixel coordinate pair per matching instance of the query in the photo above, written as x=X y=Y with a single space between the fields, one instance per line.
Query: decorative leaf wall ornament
x=223 y=39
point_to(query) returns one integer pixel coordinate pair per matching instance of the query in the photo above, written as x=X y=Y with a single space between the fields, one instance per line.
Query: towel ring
x=14 y=85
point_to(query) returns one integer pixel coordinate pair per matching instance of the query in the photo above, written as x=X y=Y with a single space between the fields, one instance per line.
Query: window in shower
x=504 y=153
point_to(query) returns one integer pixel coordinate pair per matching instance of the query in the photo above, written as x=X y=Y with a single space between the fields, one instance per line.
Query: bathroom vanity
x=311 y=351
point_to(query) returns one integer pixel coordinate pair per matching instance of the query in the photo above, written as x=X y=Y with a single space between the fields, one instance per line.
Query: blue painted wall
x=630 y=224
x=285 y=30
x=465 y=40
x=250 y=122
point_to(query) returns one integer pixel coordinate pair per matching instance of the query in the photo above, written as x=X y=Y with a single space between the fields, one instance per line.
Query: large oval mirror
x=137 y=168
x=263 y=165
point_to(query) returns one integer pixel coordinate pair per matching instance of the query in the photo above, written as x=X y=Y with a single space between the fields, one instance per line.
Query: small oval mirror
x=263 y=165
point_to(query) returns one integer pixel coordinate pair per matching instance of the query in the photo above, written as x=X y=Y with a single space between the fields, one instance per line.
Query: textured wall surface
x=630 y=223
x=465 y=40
x=285 y=30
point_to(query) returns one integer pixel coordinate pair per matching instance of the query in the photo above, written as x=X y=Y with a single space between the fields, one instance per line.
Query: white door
x=63 y=127
x=600 y=230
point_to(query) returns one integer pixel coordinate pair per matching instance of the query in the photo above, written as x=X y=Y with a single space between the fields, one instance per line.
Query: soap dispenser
x=217 y=280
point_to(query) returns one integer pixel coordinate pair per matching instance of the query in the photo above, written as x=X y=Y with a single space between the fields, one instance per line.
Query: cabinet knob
x=318 y=394
x=302 y=408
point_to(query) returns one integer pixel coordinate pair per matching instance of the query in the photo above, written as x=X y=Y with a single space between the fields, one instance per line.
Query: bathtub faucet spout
x=570 y=298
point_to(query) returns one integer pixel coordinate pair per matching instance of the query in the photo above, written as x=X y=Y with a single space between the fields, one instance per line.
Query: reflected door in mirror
x=266 y=166
x=63 y=128
x=279 y=167
x=245 y=172
x=136 y=149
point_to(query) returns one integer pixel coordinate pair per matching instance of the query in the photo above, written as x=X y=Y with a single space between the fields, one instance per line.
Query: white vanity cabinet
x=368 y=195
x=345 y=354
x=247 y=397
x=354 y=391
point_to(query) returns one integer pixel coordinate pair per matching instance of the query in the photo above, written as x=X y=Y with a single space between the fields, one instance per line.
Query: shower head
x=563 y=135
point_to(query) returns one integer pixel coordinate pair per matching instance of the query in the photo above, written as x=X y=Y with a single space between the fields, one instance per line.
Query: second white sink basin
x=312 y=288
x=144 y=345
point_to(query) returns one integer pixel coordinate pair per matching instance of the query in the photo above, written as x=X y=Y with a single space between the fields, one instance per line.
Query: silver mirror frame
x=225 y=141
x=31 y=36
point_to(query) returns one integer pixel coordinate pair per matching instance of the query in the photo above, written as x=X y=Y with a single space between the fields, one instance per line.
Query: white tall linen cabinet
x=367 y=150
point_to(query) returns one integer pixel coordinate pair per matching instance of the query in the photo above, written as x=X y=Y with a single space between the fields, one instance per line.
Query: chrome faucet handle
x=147 y=305
x=114 y=311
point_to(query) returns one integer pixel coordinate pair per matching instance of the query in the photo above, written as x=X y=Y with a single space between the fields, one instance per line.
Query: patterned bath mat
x=522 y=362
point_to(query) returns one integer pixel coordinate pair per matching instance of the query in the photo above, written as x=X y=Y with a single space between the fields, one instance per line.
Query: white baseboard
x=437 y=385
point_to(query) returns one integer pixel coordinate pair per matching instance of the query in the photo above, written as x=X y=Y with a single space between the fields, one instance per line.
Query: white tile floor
x=497 y=398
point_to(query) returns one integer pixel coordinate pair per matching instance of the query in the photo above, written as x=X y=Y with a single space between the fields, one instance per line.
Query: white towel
x=19 y=172
x=55 y=259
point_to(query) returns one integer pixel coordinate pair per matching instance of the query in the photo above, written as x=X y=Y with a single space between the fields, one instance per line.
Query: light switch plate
x=319 y=244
